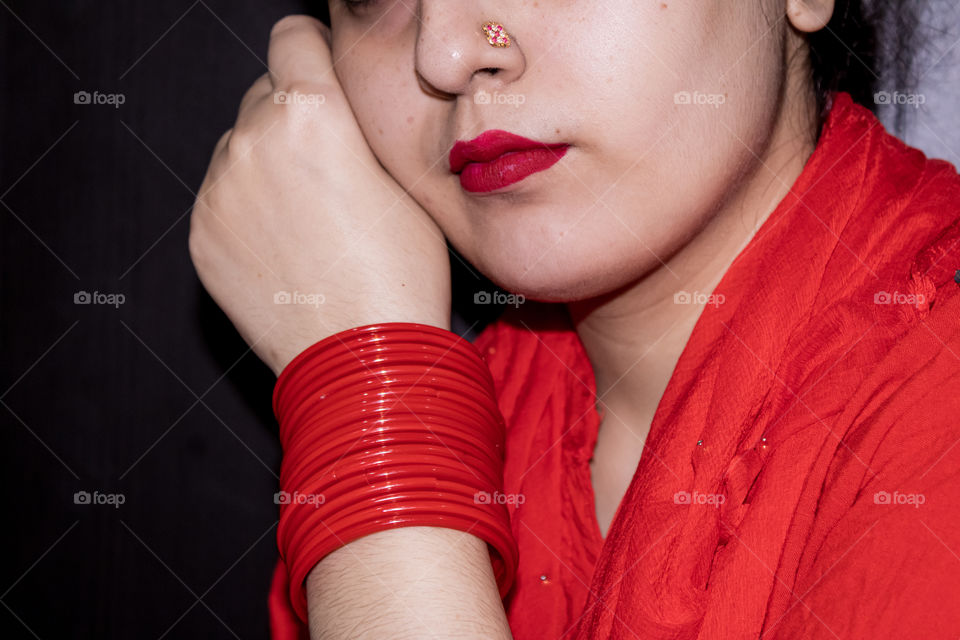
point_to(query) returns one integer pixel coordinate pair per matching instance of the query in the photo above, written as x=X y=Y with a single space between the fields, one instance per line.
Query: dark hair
x=320 y=9
x=866 y=47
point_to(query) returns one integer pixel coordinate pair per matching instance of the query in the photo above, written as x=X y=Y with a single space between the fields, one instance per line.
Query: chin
x=565 y=273
x=549 y=252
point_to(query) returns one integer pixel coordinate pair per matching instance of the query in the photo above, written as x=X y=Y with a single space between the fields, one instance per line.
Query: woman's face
x=667 y=108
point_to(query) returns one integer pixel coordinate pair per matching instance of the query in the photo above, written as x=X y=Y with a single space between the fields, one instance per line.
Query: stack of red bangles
x=383 y=426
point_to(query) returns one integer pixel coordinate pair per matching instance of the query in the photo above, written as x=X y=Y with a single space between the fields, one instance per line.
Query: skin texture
x=652 y=198
x=351 y=198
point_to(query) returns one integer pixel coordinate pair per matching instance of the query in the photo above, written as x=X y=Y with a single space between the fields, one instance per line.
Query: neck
x=635 y=335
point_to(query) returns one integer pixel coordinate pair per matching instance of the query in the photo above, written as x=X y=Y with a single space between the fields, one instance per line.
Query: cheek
x=691 y=110
x=383 y=108
x=376 y=70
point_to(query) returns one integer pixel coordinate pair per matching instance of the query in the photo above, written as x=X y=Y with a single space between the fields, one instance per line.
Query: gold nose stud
x=497 y=36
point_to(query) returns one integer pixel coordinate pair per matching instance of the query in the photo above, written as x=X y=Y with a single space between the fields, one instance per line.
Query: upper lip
x=490 y=145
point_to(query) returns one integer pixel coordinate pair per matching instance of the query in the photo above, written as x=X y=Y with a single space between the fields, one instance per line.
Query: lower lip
x=509 y=168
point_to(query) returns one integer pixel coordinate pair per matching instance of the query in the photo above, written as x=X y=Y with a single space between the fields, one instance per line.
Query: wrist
x=281 y=351
x=416 y=582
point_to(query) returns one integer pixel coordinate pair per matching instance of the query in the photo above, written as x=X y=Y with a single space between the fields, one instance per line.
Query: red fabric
x=856 y=399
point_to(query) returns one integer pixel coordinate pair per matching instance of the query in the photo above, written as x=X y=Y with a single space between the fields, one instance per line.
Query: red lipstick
x=497 y=158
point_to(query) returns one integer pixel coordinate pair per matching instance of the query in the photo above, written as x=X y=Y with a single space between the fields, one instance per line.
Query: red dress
x=801 y=477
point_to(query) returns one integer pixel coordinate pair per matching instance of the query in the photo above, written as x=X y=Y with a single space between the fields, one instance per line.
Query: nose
x=453 y=54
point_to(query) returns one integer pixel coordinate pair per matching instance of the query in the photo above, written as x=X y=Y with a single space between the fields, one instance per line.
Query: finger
x=299 y=52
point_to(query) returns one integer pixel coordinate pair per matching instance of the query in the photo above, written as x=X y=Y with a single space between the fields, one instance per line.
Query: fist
x=297 y=231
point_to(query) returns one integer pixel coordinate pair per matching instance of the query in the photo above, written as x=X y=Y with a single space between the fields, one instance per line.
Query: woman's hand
x=298 y=232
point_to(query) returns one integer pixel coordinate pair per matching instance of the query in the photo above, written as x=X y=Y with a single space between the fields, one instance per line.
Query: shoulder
x=883 y=557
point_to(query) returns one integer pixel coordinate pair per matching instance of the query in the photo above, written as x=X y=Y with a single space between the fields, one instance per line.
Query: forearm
x=411 y=582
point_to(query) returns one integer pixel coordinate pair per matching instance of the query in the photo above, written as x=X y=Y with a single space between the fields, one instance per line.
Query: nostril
x=491 y=70
x=430 y=90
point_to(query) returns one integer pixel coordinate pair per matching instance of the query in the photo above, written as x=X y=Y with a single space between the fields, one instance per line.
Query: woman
x=729 y=412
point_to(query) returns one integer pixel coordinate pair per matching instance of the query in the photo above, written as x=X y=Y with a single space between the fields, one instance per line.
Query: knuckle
x=309 y=98
x=241 y=142
x=301 y=93
x=223 y=141
x=201 y=236
x=300 y=86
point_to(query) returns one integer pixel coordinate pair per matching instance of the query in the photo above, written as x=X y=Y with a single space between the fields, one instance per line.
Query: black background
x=158 y=400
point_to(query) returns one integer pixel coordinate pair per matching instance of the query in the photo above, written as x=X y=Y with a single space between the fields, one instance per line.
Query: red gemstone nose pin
x=496 y=34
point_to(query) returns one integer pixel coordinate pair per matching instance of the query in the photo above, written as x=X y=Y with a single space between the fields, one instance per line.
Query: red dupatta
x=825 y=394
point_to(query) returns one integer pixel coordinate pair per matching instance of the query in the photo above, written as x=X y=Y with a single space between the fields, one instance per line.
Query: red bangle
x=358 y=388
x=451 y=494
x=346 y=416
x=421 y=343
x=332 y=439
x=417 y=354
x=402 y=477
x=373 y=394
x=316 y=458
x=384 y=426
x=388 y=448
x=384 y=456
